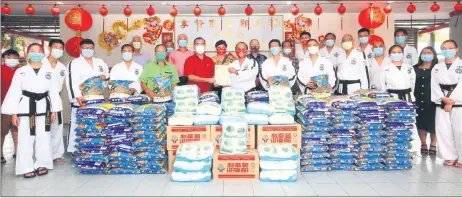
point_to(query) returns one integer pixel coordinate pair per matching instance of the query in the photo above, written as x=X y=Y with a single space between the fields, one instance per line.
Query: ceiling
x=210 y=7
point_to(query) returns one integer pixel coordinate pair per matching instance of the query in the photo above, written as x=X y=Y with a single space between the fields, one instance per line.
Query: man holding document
x=243 y=71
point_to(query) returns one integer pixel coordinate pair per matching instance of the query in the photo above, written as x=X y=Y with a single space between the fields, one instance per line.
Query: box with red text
x=239 y=166
x=280 y=134
x=177 y=135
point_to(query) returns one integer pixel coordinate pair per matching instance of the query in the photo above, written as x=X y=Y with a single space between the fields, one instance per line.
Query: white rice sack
x=279 y=93
x=260 y=108
x=232 y=94
x=281 y=119
x=204 y=165
x=208 y=108
x=194 y=151
x=185 y=92
x=206 y=120
x=256 y=119
x=234 y=137
x=204 y=176
x=279 y=165
x=188 y=105
x=181 y=120
x=277 y=152
x=279 y=176
x=235 y=106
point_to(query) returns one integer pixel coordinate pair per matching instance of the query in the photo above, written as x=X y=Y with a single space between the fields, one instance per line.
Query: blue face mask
x=287 y=51
x=275 y=50
x=182 y=43
x=127 y=56
x=364 y=40
x=169 y=50
x=396 y=57
x=449 y=53
x=378 y=51
x=426 y=57
x=330 y=43
x=88 y=53
x=400 y=39
x=36 y=57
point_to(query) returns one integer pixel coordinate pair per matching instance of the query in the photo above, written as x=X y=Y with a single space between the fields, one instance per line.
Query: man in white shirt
x=128 y=69
x=139 y=57
x=302 y=51
x=80 y=69
x=244 y=70
x=410 y=53
x=277 y=65
x=331 y=51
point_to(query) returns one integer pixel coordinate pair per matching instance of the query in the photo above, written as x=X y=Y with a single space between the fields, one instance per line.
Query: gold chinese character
x=228 y=23
x=184 y=23
x=240 y=34
x=212 y=23
x=275 y=21
x=258 y=23
x=199 y=23
x=244 y=23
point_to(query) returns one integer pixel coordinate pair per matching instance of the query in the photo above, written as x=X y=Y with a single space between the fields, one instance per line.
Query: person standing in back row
x=199 y=68
x=259 y=58
x=410 y=53
x=179 y=56
x=302 y=51
x=139 y=57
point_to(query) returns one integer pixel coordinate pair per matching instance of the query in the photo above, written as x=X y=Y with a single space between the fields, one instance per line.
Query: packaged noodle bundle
x=233 y=101
x=234 y=137
x=186 y=99
x=92 y=90
x=282 y=100
x=193 y=162
x=162 y=88
x=278 y=163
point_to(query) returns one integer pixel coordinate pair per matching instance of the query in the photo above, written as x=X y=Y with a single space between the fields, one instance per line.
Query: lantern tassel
x=127 y=24
x=434 y=20
x=457 y=20
x=271 y=24
x=103 y=25
x=318 y=23
x=248 y=23
x=411 y=21
x=221 y=24
x=387 y=22
x=341 y=23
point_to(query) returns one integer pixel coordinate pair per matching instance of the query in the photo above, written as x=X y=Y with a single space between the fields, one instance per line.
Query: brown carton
x=171 y=159
x=177 y=135
x=240 y=166
x=215 y=136
x=268 y=134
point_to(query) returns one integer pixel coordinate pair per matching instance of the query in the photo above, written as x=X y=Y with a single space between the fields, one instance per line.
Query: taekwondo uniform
x=374 y=71
x=307 y=70
x=283 y=68
x=247 y=73
x=121 y=72
x=399 y=82
x=410 y=55
x=351 y=74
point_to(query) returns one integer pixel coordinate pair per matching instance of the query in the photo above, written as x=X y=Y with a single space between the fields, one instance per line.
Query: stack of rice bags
x=193 y=162
x=209 y=109
x=234 y=137
x=282 y=100
x=91 y=154
x=150 y=138
x=313 y=114
x=92 y=91
x=163 y=91
x=345 y=122
x=278 y=162
x=258 y=108
x=233 y=103
x=186 y=99
x=399 y=123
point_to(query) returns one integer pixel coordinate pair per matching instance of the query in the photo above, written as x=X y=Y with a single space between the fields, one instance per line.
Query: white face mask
x=57 y=53
x=11 y=62
x=137 y=45
x=313 y=49
x=347 y=45
x=200 y=49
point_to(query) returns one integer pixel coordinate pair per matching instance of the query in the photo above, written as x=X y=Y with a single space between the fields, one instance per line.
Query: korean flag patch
x=321 y=67
x=459 y=69
x=61 y=73
x=48 y=75
x=408 y=56
x=101 y=68
x=137 y=71
x=284 y=67
x=353 y=62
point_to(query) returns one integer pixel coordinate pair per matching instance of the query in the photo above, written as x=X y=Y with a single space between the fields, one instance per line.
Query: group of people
x=31 y=103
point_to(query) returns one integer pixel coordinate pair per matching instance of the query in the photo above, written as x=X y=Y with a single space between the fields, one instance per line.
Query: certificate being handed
x=222 y=75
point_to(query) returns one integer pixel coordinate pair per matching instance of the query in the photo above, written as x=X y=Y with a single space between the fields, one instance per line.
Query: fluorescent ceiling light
x=59 y=3
x=164 y=3
x=289 y=2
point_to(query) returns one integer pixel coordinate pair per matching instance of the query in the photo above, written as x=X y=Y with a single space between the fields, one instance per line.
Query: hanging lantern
x=7 y=10
x=373 y=38
x=271 y=11
x=295 y=10
x=371 y=17
x=457 y=7
x=387 y=9
x=318 y=11
x=341 y=10
x=150 y=11
x=248 y=11
x=197 y=11
x=30 y=10
x=221 y=12
x=55 y=10
x=103 y=11
x=411 y=9
x=127 y=12
x=73 y=46
x=78 y=19
x=173 y=11
x=434 y=8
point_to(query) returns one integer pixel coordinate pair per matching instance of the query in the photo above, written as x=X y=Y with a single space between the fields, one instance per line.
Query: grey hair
x=178 y=38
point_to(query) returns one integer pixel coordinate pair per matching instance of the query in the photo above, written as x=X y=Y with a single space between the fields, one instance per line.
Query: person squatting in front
x=33 y=102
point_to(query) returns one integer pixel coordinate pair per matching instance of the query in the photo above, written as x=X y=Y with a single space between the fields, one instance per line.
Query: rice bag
x=315 y=140
x=313 y=155
x=150 y=110
x=340 y=148
x=398 y=126
x=92 y=88
x=375 y=119
x=342 y=133
x=162 y=88
x=90 y=165
x=371 y=126
x=139 y=99
x=371 y=140
x=317 y=121
x=368 y=160
x=120 y=156
x=314 y=148
x=281 y=119
x=370 y=167
x=398 y=145
x=149 y=156
x=345 y=118
x=257 y=96
x=92 y=172
x=315 y=167
x=344 y=126
x=121 y=111
x=119 y=88
x=206 y=119
x=396 y=138
x=397 y=153
x=118 y=171
x=181 y=120
x=342 y=160
x=277 y=152
x=371 y=147
x=234 y=138
x=278 y=176
x=341 y=102
x=313 y=127
x=397 y=160
x=209 y=97
x=349 y=167
x=278 y=81
x=315 y=161
x=121 y=164
x=90 y=157
x=342 y=140
x=398 y=167
x=369 y=132
x=366 y=154
x=372 y=113
x=82 y=142
x=260 y=108
x=321 y=84
x=256 y=119
x=208 y=108
x=316 y=135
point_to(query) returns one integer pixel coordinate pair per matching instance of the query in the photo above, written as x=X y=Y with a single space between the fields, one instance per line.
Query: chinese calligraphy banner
x=232 y=29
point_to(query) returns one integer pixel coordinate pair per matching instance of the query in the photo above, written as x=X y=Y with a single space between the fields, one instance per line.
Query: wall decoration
x=78 y=19
x=299 y=25
x=111 y=40
x=371 y=17
x=167 y=36
x=168 y=25
x=73 y=46
x=153 y=29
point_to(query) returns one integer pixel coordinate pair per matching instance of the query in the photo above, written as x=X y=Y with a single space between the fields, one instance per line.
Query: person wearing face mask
x=179 y=56
x=398 y=78
x=287 y=52
x=243 y=70
x=128 y=69
x=259 y=58
x=378 y=61
x=222 y=58
x=314 y=66
x=159 y=68
x=332 y=52
x=322 y=41
x=277 y=65
x=170 y=47
x=33 y=101
x=10 y=63
x=80 y=69
x=302 y=49
x=199 y=68
x=410 y=53
x=139 y=57
x=364 y=46
x=425 y=120
x=351 y=73
x=56 y=49
x=446 y=92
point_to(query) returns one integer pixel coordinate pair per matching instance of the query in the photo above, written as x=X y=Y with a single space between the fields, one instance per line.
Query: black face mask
x=254 y=49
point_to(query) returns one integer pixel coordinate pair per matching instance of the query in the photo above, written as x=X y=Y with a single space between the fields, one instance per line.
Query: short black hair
x=313 y=40
x=287 y=41
x=305 y=33
x=395 y=46
x=198 y=38
x=221 y=42
x=53 y=41
x=450 y=41
x=159 y=45
x=127 y=45
x=435 y=57
x=401 y=30
x=246 y=46
x=364 y=30
x=330 y=33
x=170 y=41
x=274 y=41
x=10 y=52
x=35 y=44
x=87 y=41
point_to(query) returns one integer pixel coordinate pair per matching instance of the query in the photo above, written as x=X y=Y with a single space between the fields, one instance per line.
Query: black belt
x=33 y=98
x=450 y=89
x=345 y=84
x=403 y=94
x=60 y=119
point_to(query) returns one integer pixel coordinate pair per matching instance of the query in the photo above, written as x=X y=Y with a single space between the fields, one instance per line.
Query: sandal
x=450 y=162
x=432 y=151
x=423 y=149
x=458 y=165
x=30 y=175
x=3 y=160
x=42 y=171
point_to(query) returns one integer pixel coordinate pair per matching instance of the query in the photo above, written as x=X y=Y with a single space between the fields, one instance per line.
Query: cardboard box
x=181 y=134
x=240 y=166
x=171 y=159
x=267 y=134
x=215 y=135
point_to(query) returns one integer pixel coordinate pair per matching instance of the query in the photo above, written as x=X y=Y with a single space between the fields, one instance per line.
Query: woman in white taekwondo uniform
x=333 y=53
x=277 y=65
x=314 y=66
x=56 y=49
x=243 y=70
x=398 y=78
x=80 y=69
x=351 y=74
x=447 y=93
x=33 y=102
x=378 y=61
x=128 y=69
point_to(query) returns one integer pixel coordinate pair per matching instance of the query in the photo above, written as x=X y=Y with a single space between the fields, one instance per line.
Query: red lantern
x=248 y=10
x=7 y=10
x=55 y=10
x=371 y=17
x=173 y=11
x=103 y=11
x=271 y=10
x=78 y=19
x=387 y=9
x=435 y=7
x=221 y=11
x=458 y=6
x=318 y=10
x=73 y=46
x=30 y=10
x=127 y=11
x=411 y=9
x=295 y=10
x=373 y=38
x=341 y=10
x=197 y=11
x=150 y=11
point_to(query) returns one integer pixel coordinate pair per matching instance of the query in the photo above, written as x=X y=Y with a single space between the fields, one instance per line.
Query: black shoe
x=14 y=156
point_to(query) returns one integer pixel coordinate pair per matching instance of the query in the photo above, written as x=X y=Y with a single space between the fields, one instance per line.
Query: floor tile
x=296 y=189
x=128 y=182
x=75 y=181
x=448 y=189
x=148 y=191
x=268 y=189
x=237 y=190
x=59 y=191
x=208 y=190
x=329 y=190
x=100 y=181
x=422 y=189
x=119 y=191
x=89 y=191
x=344 y=177
x=23 y=192
x=359 y=190
x=372 y=177
x=318 y=178
x=389 y=189
x=178 y=190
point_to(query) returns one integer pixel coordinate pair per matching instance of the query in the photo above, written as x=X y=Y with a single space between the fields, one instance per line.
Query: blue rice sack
x=335 y=156
x=348 y=167
x=344 y=126
x=345 y=118
x=314 y=148
x=277 y=152
x=397 y=153
x=149 y=156
x=342 y=140
x=90 y=157
x=126 y=148
x=209 y=96
x=260 y=108
x=372 y=140
x=140 y=142
x=340 y=148
x=150 y=110
x=123 y=156
x=315 y=167
x=89 y=165
x=398 y=126
x=316 y=135
x=370 y=132
x=82 y=142
x=315 y=141
x=201 y=120
x=313 y=127
x=147 y=170
x=315 y=114
x=398 y=167
x=368 y=160
x=159 y=148
x=372 y=113
x=343 y=133
x=96 y=111
x=318 y=121
x=257 y=96
x=399 y=113
x=340 y=112
x=151 y=126
x=279 y=176
x=371 y=147
x=366 y=154
x=278 y=81
x=311 y=103
x=313 y=155
x=148 y=134
x=208 y=108
x=375 y=119
x=116 y=127
x=315 y=161
x=178 y=176
x=92 y=88
x=119 y=89
x=121 y=111
x=118 y=141
x=162 y=88
x=256 y=119
x=121 y=164
x=397 y=160
x=370 y=167
x=120 y=171
x=151 y=163
x=342 y=160
x=92 y=172
x=398 y=145
x=93 y=150
x=140 y=99
x=342 y=102
x=82 y=134
x=395 y=138
x=142 y=119
x=95 y=128
x=400 y=120
x=371 y=126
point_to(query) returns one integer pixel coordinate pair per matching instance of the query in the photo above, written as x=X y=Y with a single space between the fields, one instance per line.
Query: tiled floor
x=427 y=178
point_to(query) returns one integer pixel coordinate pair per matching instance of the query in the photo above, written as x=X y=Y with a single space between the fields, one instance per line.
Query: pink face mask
x=241 y=53
x=221 y=51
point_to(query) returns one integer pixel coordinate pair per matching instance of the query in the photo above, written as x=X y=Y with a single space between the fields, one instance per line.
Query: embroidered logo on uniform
x=353 y=62
x=23 y=73
x=321 y=67
x=409 y=70
x=369 y=56
x=408 y=56
x=61 y=73
x=336 y=54
x=284 y=67
x=48 y=75
x=137 y=71
x=101 y=69
x=459 y=69
x=387 y=70
x=246 y=67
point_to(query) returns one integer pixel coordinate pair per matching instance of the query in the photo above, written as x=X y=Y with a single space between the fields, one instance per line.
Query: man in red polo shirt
x=10 y=63
x=200 y=68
